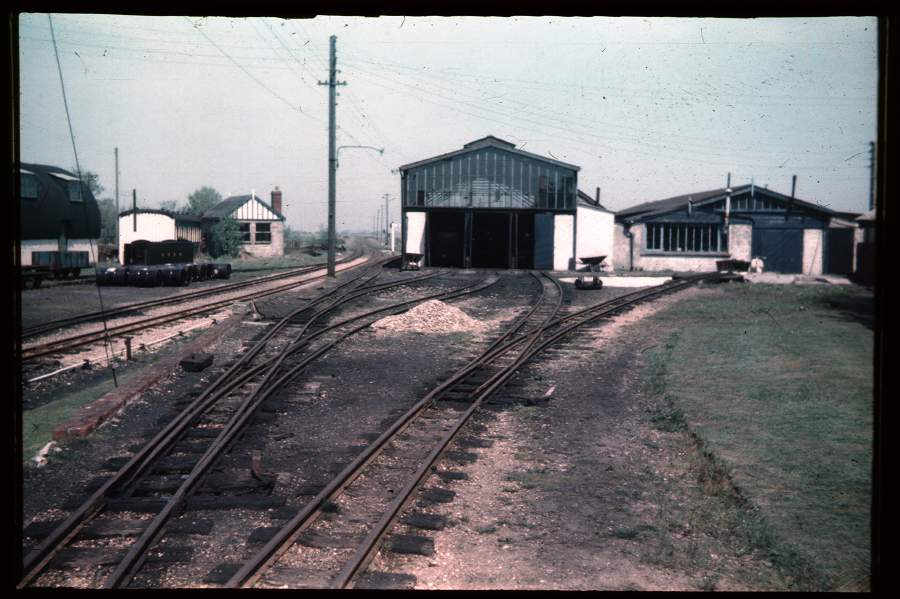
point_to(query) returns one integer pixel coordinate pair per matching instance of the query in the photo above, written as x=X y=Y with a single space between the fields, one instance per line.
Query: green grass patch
x=38 y=424
x=775 y=384
x=290 y=260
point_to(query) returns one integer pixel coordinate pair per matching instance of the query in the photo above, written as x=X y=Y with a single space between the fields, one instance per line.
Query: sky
x=649 y=108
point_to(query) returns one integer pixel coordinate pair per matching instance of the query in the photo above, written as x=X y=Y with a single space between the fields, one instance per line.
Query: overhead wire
x=542 y=124
x=107 y=346
x=547 y=114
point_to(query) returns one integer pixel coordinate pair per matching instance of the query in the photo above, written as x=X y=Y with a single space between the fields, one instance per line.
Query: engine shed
x=490 y=205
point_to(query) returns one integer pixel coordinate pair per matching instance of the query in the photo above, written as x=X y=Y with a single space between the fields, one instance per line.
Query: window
x=245 y=232
x=263 y=233
x=75 y=191
x=685 y=238
x=29 y=185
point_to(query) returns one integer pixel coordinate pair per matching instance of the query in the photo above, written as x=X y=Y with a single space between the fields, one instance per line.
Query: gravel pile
x=433 y=316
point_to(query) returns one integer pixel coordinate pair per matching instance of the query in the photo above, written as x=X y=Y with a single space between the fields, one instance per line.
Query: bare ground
x=587 y=493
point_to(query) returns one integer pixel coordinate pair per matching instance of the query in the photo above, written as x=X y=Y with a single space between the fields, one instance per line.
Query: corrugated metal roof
x=703 y=197
x=489 y=141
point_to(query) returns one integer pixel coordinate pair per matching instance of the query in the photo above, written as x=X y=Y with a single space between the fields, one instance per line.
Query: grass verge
x=38 y=424
x=774 y=385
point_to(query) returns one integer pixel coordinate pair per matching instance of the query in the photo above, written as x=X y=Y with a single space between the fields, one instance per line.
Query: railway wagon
x=169 y=262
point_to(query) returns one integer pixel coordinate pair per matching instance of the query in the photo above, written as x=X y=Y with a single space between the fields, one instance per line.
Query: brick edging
x=91 y=416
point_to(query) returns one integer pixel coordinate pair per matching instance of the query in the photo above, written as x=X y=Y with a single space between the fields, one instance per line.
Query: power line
x=543 y=124
x=251 y=75
x=549 y=115
x=107 y=347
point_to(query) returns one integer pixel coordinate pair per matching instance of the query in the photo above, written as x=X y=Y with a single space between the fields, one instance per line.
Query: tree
x=202 y=200
x=108 y=217
x=225 y=238
x=170 y=205
x=91 y=179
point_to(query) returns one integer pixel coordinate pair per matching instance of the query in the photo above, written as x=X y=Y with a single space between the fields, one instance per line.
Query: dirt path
x=588 y=492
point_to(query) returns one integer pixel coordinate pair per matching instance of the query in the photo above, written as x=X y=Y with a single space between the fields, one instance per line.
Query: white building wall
x=415 y=233
x=150 y=226
x=563 y=237
x=594 y=234
x=812 y=251
x=254 y=210
x=52 y=245
x=266 y=250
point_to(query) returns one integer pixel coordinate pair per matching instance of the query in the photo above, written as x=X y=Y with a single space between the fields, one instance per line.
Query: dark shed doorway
x=445 y=238
x=543 y=241
x=780 y=249
x=490 y=240
x=839 y=251
x=524 y=240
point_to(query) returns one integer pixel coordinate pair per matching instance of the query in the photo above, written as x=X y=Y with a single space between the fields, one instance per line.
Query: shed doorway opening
x=445 y=238
x=490 y=240
x=780 y=249
x=524 y=241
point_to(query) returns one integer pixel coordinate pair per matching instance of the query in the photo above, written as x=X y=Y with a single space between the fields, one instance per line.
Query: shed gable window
x=245 y=232
x=487 y=178
x=684 y=238
x=263 y=233
x=29 y=185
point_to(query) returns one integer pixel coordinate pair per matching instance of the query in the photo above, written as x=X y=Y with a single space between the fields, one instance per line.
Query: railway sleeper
x=118 y=527
x=233 y=482
x=437 y=495
x=331 y=540
x=462 y=457
x=425 y=521
x=90 y=557
x=158 y=485
x=451 y=475
x=410 y=545
x=174 y=465
x=386 y=581
x=474 y=442
x=232 y=502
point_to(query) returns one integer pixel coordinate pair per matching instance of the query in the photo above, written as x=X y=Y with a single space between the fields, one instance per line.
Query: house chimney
x=598 y=195
x=276 y=200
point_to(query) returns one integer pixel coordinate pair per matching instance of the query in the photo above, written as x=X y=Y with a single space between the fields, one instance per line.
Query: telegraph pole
x=332 y=84
x=117 y=197
x=378 y=226
x=387 y=218
x=872 y=175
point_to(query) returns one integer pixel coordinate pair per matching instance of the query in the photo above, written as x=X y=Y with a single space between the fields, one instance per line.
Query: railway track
x=65 y=344
x=163 y=476
x=418 y=439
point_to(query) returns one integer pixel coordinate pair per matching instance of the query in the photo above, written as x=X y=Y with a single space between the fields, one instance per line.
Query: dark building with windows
x=491 y=205
x=60 y=219
x=691 y=232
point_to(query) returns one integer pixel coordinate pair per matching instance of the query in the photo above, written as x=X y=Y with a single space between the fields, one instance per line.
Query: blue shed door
x=780 y=249
x=543 y=241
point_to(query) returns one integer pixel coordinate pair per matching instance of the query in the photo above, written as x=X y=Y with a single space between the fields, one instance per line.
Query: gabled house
x=261 y=224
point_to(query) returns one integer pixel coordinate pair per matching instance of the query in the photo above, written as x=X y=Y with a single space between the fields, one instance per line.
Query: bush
x=225 y=238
